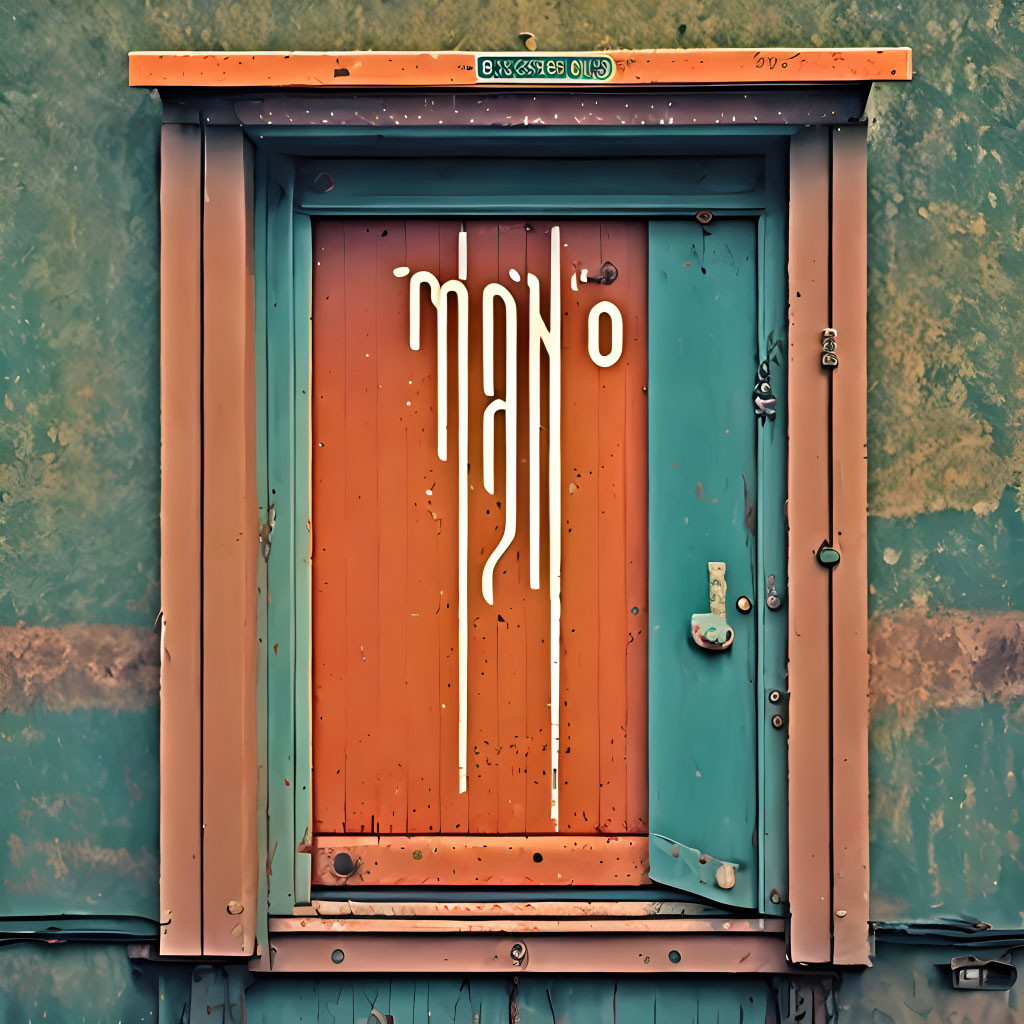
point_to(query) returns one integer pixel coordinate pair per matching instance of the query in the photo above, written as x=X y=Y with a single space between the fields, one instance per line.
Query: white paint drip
x=544 y=339
x=507 y=406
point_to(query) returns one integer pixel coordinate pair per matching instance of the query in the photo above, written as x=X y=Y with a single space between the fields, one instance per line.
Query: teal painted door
x=710 y=464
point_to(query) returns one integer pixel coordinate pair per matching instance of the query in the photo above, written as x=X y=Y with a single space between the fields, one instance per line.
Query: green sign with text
x=544 y=68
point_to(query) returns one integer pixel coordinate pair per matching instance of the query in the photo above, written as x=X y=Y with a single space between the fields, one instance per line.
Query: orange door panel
x=386 y=644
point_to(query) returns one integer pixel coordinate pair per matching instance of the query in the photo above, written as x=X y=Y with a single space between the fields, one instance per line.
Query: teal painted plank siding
x=703 y=489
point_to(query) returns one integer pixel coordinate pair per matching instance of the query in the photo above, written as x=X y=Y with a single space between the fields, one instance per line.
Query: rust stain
x=66 y=858
x=922 y=663
x=62 y=668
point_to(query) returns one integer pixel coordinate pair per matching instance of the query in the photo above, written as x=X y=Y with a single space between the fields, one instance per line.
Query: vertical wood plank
x=486 y=527
x=538 y=623
x=362 y=581
x=810 y=725
x=281 y=576
x=454 y=805
x=614 y=501
x=513 y=725
x=180 y=540
x=582 y=557
x=635 y=334
x=850 y=582
x=230 y=531
x=302 y=552
x=424 y=492
x=386 y=248
x=260 y=188
x=330 y=596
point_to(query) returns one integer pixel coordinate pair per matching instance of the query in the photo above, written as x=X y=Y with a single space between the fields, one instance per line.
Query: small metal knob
x=743 y=604
x=775 y=696
x=827 y=555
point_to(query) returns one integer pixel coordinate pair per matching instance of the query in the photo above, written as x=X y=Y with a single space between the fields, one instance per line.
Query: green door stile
x=704 y=490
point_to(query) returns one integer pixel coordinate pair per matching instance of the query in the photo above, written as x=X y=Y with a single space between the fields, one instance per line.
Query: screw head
x=775 y=696
x=778 y=721
x=344 y=865
x=743 y=604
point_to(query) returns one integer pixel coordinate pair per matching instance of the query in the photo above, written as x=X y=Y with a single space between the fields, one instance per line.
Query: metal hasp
x=764 y=400
x=709 y=630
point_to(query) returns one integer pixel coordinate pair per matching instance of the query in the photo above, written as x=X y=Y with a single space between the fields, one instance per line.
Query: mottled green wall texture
x=79 y=429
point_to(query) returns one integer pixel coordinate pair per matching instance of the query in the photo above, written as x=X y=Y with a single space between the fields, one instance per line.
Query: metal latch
x=709 y=629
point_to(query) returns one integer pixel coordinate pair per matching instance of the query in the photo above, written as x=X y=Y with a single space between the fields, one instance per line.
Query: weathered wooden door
x=478 y=671
x=482 y=510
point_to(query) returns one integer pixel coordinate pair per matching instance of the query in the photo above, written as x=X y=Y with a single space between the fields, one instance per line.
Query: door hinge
x=829 y=358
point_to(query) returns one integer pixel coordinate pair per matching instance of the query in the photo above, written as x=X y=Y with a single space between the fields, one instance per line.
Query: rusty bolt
x=337 y=956
x=517 y=954
x=775 y=897
x=778 y=721
x=344 y=865
x=705 y=216
x=725 y=876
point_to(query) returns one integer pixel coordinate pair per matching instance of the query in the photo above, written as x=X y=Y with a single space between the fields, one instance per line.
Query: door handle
x=709 y=629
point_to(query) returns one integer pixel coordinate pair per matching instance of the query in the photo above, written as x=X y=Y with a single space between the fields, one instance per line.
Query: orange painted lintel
x=275 y=69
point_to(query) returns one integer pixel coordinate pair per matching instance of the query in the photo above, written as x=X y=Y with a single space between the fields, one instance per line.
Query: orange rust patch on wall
x=922 y=662
x=64 y=858
x=62 y=668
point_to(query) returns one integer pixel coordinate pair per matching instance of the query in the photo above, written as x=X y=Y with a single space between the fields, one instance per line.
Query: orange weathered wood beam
x=271 y=69
x=356 y=860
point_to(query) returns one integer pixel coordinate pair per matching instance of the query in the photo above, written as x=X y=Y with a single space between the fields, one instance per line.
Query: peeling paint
x=923 y=663
x=81 y=666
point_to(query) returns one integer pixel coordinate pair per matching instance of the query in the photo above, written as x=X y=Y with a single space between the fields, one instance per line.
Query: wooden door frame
x=214 y=774
x=571 y=859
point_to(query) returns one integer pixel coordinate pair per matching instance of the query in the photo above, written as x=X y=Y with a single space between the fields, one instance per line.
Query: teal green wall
x=79 y=452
